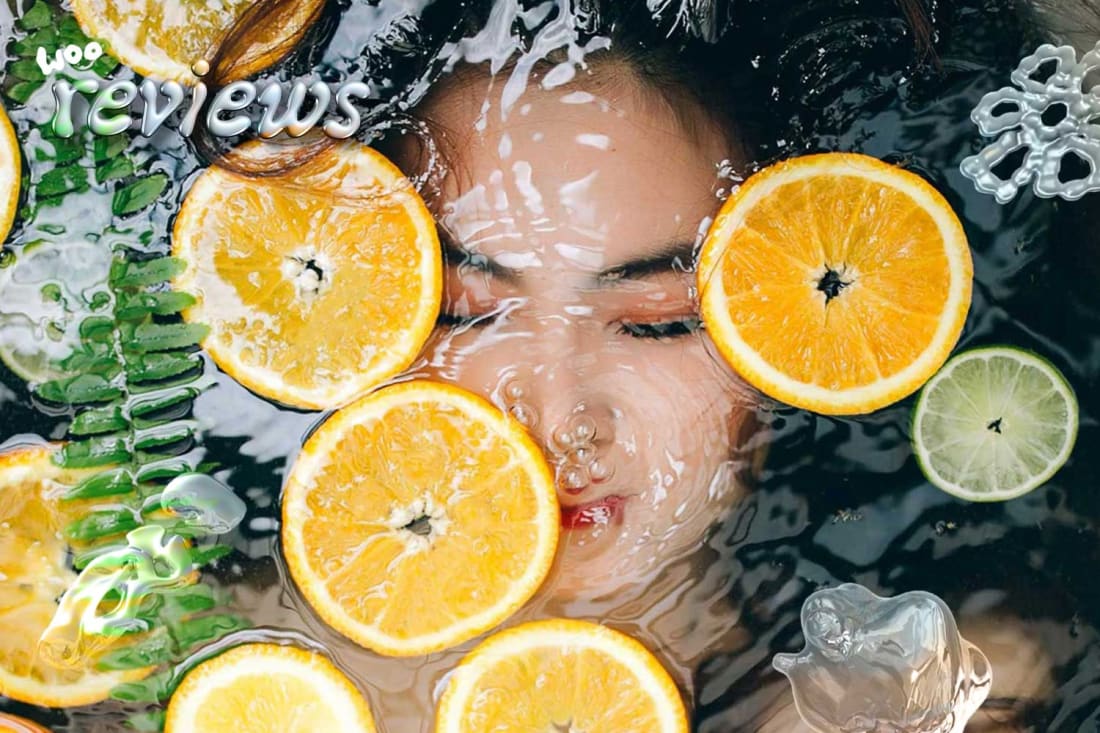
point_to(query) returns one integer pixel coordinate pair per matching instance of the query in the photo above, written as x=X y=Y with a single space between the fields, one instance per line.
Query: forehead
x=571 y=175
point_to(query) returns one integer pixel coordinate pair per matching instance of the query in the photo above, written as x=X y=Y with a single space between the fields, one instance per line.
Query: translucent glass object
x=205 y=505
x=884 y=665
x=1053 y=117
x=105 y=600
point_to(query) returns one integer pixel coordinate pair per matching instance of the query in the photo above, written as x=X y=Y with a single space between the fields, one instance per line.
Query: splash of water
x=702 y=18
x=498 y=41
x=884 y=665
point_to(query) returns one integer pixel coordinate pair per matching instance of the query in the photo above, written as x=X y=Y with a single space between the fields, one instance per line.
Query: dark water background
x=840 y=499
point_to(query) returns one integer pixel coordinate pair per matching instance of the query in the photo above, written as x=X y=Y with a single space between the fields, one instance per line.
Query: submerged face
x=568 y=220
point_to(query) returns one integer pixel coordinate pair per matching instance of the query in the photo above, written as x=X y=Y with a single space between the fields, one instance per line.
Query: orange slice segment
x=318 y=284
x=164 y=40
x=267 y=688
x=561 y=675
x=836 y=283
x=10 y=174
x=419 y=517
x=34 y=574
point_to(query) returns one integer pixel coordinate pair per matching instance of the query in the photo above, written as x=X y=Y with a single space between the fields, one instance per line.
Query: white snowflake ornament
x=1052 y=116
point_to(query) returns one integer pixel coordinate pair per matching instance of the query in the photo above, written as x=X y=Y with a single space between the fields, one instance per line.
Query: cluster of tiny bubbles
x=580 y=465
x=573 y=448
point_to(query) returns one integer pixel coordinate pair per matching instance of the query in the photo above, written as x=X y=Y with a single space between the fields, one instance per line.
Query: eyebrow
x=674 y=256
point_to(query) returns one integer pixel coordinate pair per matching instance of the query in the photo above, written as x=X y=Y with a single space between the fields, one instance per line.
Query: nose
x=555 y=393
x=575 y=427
x=583 y=443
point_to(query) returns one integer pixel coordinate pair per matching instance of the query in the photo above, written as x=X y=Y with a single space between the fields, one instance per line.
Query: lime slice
x=994 y=424
x=44 y=295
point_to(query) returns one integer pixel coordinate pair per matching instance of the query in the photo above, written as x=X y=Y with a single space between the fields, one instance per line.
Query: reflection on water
x=702 y=516
x=44 y=297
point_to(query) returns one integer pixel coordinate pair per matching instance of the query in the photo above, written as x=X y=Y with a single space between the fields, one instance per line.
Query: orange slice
x=317 y=284
x=419 y=517
x=267 y=688
x=34 y=574
x=561 y=675
x=164 y=40
x=10 y=174
x=835 y=283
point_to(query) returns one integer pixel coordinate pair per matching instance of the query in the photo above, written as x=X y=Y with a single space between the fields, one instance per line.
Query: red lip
x=602 y=511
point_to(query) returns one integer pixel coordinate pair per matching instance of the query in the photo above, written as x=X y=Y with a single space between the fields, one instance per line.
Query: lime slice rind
x=994 y=424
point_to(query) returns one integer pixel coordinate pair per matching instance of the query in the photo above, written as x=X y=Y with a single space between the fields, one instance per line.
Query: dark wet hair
x=762 y=69
x=1072 y=21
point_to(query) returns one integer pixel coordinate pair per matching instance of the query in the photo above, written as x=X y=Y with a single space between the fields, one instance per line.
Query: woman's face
x=568 y=221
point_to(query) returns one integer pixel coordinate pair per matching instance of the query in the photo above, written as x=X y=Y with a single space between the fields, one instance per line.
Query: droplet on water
x=206 y=504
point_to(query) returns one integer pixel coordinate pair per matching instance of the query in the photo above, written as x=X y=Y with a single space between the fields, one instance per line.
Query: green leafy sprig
x=73 y=170
x=51 y=29
x=132 y=381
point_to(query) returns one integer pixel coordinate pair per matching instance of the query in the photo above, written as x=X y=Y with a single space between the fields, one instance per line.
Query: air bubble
x=563 y=439
x=584 y=430
x=601 y=470
x=514 y=391
x=205 y=504
x=524 y=414
x=584 y=454
x=573 y=478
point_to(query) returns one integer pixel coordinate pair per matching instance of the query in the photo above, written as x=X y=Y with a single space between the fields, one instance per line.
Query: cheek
x=691 y=421
x=470 y=358
x=684 y=398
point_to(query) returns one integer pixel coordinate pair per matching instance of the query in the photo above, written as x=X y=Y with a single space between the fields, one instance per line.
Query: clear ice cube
x=884 y=665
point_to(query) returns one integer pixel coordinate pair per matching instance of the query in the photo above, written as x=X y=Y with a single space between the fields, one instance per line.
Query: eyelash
x=450 y=320
x=663 y=331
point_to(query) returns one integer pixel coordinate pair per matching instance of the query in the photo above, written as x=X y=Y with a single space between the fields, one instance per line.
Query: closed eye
x=453 y=320
x=663 y=330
